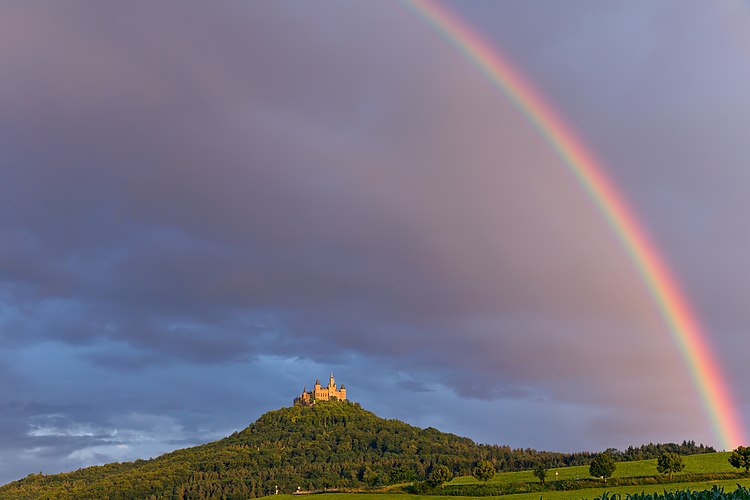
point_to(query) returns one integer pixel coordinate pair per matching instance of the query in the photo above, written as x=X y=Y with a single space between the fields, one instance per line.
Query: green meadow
x=643 y=470
x=707 y=463
x=582 y=494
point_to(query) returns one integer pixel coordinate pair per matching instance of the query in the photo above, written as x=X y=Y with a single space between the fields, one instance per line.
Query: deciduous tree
x=540 y=472
x=602 y=466
x=669 y=463
x=740 y=458
x=484 y=471
x=440 y=475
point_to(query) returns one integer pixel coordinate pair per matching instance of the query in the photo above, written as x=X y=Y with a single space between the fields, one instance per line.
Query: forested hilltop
x=334 y=444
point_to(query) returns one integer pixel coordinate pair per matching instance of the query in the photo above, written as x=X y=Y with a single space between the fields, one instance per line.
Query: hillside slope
x=334 y=444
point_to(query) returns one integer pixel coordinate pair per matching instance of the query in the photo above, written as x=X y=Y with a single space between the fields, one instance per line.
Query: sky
x=205 y=207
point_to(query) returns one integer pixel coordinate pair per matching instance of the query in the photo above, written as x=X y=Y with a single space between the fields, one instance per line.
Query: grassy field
x=694 y=464
x=588 y=493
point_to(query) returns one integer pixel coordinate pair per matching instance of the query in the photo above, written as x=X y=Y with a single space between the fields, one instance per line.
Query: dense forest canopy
x=334 y=444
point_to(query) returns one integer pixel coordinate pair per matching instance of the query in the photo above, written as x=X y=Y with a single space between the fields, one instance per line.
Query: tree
x=484 y=471
x=669 y=463
x=369 y=476
x=540 y=472
x=440 y=474
x=740 y=458
x=402 y=474
x=602 y=466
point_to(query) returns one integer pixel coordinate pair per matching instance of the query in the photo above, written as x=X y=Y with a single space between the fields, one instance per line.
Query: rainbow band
x=683 y=326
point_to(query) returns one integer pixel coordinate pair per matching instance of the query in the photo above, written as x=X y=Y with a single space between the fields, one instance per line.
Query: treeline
x=507 y=459
x=335 y=444
x=651 y=450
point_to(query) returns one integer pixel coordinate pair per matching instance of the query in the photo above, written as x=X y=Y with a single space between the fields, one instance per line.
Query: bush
x=420 y=488
x=714 y=493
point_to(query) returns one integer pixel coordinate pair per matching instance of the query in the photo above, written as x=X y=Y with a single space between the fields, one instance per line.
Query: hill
x=334 y=444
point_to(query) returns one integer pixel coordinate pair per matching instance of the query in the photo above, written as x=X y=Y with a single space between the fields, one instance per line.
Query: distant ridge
x=332 y=444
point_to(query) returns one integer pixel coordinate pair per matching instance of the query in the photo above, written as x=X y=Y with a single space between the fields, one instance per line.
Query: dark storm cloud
x=200 y=204
x=147 y=217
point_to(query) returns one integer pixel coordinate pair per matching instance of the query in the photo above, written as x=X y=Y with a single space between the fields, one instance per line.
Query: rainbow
x=684 y=328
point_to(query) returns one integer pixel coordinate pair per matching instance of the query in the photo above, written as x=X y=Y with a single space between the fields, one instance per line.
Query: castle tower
x=318 y=391
x=331 y=382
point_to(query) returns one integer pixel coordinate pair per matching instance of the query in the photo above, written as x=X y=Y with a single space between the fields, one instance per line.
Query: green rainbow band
x=682 y=324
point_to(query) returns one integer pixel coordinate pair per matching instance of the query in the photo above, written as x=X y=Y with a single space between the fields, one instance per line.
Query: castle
x=308 y=398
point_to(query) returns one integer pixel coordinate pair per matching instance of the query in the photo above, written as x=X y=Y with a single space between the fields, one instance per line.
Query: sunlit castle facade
x=321 y=393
